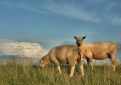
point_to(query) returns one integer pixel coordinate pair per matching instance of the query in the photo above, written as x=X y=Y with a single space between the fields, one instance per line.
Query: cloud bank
x=23 y=49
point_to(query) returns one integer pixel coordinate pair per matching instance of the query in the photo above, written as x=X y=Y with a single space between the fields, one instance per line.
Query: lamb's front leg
x=72 y=71
x=59 y=70
x=56 y=62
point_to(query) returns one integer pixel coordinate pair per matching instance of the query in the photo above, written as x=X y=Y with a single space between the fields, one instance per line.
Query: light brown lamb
x=97 y=50
x=68 y=54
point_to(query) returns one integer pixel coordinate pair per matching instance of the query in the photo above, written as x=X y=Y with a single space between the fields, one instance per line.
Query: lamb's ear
x=75 y=37
x=84 y=37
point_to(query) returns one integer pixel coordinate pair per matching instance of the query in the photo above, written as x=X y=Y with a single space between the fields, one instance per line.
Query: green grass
x=18 y=74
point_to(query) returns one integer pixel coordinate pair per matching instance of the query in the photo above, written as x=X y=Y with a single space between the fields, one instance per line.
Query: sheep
x=97 y=50
x=68 y=54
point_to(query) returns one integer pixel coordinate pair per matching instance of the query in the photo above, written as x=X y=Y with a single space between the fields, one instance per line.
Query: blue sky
x=53 y=22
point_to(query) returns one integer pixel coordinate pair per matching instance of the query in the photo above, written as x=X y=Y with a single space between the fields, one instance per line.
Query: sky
x=53 y=22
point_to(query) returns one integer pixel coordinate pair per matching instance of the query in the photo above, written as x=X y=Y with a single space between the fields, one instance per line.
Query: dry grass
x=13 y=73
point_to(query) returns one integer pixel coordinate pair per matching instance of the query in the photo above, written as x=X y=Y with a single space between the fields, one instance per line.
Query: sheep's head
x=43 y=62
x=79 y=40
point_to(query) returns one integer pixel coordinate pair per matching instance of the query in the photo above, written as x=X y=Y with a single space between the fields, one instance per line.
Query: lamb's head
x=44 y=61
x=79 y=40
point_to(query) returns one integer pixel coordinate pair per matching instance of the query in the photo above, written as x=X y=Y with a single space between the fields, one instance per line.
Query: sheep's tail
x=118 y=46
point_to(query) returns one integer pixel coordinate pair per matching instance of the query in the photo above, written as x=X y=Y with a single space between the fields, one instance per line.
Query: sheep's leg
x=59 y=70
x=72 y=71
x=81 y=68
x=56 y=62
x=113 y=62
x=91 y=65
x=113 y=65
x=89 y=61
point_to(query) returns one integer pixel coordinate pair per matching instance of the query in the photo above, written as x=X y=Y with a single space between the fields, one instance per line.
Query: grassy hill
x=21 y=74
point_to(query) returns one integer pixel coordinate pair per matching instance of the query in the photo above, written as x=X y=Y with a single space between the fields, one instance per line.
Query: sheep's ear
x=75 y=37
x=84 y=37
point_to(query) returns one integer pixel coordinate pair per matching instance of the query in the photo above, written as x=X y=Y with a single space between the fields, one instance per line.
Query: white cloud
x=23 y=49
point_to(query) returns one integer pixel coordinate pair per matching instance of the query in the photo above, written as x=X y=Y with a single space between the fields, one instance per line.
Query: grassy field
x=20 y=74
